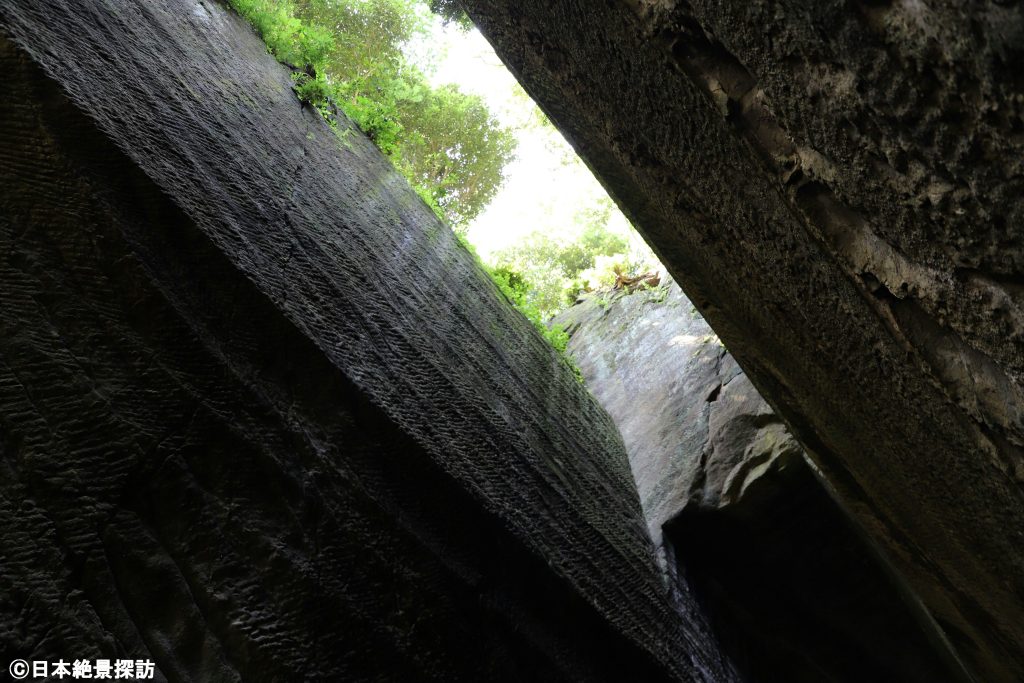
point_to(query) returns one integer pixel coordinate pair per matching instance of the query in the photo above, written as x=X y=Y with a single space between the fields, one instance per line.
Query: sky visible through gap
x=547 y=185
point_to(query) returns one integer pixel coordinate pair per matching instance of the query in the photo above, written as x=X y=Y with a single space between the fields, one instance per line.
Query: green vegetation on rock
x=348 y=55
x=517 y=289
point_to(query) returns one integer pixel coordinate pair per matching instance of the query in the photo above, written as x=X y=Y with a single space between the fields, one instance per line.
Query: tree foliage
x=454 y=147
x=558 y=269
x=451 y=12
x=349 y=54
x=518 y=290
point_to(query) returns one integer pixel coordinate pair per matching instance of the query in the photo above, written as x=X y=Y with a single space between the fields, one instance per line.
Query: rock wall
x=747 y=530
x=696 y=431
x=836 y=186
x=261 y=417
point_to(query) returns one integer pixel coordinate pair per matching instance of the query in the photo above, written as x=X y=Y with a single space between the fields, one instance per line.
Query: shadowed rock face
x=792 y=587
x=261 y=418
x=837 y=188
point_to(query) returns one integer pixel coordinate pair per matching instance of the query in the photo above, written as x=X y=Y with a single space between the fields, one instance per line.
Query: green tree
x=451 y=12
x=455 y=147
x=555 y=267
x=368 y=37
x=349 y=53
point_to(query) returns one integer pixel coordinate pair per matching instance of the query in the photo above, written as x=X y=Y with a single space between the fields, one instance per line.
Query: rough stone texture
x=261 y=418
x=747 y=530
x=836 y=185
x=695 y=429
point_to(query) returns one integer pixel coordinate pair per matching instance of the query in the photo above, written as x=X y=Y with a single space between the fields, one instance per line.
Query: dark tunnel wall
x=261 y=418
x=836 y=186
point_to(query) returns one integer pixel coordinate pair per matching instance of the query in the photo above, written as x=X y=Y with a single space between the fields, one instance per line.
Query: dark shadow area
x=796 y=595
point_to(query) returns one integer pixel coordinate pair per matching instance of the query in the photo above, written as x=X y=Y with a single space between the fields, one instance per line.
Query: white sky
x=547 y=184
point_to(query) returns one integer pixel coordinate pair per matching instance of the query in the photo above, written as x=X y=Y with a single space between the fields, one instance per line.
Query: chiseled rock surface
x=695 y=429
x=836 y=186
x=261 y=417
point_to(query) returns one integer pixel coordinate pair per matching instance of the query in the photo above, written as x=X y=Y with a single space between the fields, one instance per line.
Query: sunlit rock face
x=794 y=590
x=695 y=428
x=261 y=417
x=836 y=186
